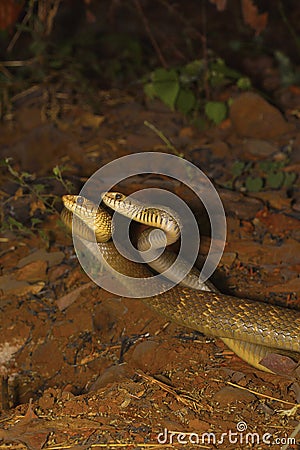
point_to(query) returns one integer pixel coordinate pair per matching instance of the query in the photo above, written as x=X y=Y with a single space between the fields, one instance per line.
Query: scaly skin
x=251 y=329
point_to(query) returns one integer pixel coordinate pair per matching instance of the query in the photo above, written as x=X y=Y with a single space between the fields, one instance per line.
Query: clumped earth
x=83 y=368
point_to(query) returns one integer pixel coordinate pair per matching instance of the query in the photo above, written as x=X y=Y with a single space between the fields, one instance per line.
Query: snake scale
x=251 y=329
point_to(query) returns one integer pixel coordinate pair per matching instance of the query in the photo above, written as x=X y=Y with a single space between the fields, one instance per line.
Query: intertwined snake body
x=251 y=329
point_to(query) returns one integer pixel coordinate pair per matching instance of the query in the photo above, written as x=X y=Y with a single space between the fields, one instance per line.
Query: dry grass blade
x=291 y=436
x=182 y=397
x=255 y=392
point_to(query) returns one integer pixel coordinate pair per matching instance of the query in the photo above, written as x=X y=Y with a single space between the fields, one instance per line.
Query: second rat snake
x=251 y=329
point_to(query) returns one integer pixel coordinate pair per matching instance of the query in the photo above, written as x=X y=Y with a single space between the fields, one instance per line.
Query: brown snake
x=251 y=329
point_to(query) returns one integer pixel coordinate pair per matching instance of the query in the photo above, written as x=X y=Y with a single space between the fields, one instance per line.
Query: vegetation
x=38 y=50
x=184 y=89
x=42 y=200
x=263 y=175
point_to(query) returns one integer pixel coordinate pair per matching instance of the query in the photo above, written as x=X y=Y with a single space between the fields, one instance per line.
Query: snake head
x=123 y=204
x=80 y=206
x=114 y=199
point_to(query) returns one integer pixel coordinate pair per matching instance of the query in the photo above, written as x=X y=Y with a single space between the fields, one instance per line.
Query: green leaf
x=56 y=63
x=13 y=172
x=13 y=223
x=220 y=74
x=288 y=74
x=166 y=85
x=216 y=111
x=29 y=176
x=35 y=221
x=228 y=184
x=199 y=123
x=244 y=83
x=238 y=168
x=266 y=166
x=220 y=66
x=43 y=235
x=56 y=171
x=185 y=101
x=39 y=188
x=254 y=184
x=192 y=71
x=275 y=179
x=149 y=90
x=289 y=178
x=271 y=166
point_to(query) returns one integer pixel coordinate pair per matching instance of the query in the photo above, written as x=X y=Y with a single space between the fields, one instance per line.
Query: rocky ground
x=83 y=368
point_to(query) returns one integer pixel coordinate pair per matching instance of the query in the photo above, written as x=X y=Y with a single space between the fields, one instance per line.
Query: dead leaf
x=30 y=289
x=9 y=13
x=220 y=4
x=68 y=299
x=90 y=17
x=30 y=430
x=18 y=193
x=34 y=271
x=37 y=205
x=52 y=258
x=30 y=414
x=252 y=17
x=89 y=120
x=18 y=287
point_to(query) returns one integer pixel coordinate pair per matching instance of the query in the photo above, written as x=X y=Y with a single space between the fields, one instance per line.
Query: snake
x=251 y=329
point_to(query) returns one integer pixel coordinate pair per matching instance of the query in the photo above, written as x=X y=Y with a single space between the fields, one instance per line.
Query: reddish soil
x=106 y=372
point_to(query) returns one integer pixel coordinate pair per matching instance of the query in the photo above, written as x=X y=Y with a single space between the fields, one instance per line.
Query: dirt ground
x=83 y=368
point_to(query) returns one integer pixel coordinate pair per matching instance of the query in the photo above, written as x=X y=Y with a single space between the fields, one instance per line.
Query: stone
x=253 y=117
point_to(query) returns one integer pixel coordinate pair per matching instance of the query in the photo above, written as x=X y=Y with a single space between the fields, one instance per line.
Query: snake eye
x=79 y=200
x=118 y=196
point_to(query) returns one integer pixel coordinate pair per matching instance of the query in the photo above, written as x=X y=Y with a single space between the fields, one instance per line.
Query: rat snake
x=251 y=329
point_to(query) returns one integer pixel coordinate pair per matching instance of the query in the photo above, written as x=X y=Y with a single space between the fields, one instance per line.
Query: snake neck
x=154 y=216
x=93 y=222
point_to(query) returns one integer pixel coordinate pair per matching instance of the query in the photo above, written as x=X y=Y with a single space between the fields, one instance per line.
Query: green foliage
x=238 y=168
x=166 y=86
x=244 y=83
x=254 y=184
x=75 y=60
x=184 y=89
x=289 y=179
x=13 y=224
x=255 y=177
x=192 y=71
x=185 y=101
x=287 y=72
x=219 y=73
x=274 y=179
x=58 y=174
x=216 y=111
x=37 y=192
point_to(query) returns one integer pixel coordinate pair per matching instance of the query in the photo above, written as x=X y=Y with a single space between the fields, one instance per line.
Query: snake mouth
x=67 y=199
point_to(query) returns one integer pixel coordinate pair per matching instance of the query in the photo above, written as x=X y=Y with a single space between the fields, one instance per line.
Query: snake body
x=251 y=329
